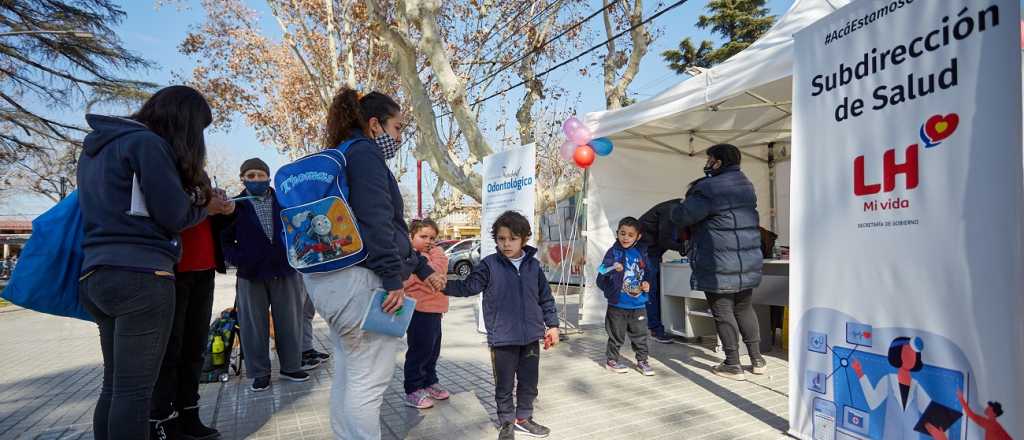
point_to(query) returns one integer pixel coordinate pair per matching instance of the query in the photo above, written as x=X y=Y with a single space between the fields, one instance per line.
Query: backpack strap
x=338 y=153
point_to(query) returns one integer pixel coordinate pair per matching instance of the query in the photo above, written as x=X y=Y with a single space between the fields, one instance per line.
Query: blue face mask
x=257 y=188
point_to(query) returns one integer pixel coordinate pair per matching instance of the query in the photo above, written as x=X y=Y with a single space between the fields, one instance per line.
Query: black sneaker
x=734 y=372
x=316 y=354
x=760 y=366
x=664 y=339
x=506 y=432
x=532 y=429
x=299 y=376
x=260 y=384
x=309 y=363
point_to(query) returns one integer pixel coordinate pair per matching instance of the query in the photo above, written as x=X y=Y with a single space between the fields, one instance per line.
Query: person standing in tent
x=660 y=235
x=720 y=211
x=141 y=182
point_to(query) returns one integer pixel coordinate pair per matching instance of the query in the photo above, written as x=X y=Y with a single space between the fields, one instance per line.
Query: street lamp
x=79 y=34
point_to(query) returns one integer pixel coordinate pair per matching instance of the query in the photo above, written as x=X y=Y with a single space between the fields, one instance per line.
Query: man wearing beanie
x=254 y=243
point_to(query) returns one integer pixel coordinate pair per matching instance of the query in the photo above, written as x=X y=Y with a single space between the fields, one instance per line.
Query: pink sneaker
x=419 y=400
x=438 y=393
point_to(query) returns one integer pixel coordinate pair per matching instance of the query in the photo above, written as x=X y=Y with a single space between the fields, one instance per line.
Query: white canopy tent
x=660 y=143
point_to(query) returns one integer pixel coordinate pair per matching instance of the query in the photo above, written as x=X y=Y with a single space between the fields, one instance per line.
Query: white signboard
x=509 y=185
x=907 y=280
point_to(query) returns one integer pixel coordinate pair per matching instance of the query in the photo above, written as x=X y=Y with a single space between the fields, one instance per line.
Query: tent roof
x=745 y=101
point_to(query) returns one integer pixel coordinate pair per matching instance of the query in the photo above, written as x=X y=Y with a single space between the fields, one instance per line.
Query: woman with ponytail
x=141 y=182
x=364 y=362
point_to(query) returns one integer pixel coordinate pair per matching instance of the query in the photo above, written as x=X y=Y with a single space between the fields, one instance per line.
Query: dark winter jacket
x=611 y=283
x=725 y=243
x=247 y=247
x=116 y=150
x=659 y=233
x=377 y=205
x=518 y=305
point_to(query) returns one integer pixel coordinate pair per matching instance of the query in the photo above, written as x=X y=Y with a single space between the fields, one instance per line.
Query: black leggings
x=178 y=385
x=734 y=316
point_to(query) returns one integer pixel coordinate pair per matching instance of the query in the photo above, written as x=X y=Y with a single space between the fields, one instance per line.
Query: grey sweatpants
x=363 y=362
x=257 y=300
x=308 y=313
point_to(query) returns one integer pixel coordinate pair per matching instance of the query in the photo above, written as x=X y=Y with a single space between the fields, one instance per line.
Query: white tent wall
x=628 y=183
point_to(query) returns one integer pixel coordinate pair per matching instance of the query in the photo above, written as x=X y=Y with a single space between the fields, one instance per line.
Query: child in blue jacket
x=625 y=280
x=519 y=311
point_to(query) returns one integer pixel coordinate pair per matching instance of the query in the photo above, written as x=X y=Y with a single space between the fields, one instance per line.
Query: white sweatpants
x=363 y=362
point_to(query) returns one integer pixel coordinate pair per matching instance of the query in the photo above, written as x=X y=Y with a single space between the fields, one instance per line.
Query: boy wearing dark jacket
x=624 y=278
x=519 y=311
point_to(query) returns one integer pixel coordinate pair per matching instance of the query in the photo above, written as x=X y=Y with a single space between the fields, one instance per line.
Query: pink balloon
x=567 y=150
x=569 y=127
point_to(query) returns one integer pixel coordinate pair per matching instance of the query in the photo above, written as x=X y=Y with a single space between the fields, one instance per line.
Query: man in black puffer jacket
x=725 y=253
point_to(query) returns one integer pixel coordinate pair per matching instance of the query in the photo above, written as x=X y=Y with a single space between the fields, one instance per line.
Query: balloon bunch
x=580 y=147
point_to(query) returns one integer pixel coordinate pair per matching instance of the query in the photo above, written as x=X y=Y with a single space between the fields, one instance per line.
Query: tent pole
x=771 y=188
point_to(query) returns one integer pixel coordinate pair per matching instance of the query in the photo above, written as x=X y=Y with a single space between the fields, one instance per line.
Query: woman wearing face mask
x=254 y=243
x=130 y=248
x=364 y=361
x=720 y=211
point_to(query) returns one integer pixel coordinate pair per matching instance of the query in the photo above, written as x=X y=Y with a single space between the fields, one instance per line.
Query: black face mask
x=708 y=170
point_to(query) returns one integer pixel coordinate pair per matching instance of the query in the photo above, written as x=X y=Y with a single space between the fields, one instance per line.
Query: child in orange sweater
x=424 y=335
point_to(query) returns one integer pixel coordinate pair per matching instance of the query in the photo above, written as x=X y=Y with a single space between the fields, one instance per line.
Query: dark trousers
x=515 y=366
x=134 y=312
x=620 y=323
x=734 y=317
x=424 y=338
x=177 y=388
x=654 y=298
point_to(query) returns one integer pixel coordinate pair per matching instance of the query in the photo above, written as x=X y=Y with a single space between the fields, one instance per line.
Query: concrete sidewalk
x=50 y=374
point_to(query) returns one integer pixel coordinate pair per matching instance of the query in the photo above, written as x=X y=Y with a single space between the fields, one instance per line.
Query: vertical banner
x=509 y=185
x=908 y=275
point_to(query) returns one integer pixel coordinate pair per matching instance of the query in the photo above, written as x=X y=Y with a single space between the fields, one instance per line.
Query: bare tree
x=622 y=62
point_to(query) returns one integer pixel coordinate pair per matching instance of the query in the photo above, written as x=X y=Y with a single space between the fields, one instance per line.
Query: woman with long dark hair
x=364 y=361
x=141 y=182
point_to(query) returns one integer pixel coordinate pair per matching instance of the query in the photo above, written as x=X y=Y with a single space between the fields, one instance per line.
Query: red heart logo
x=556 y=253
x=867 y=335
x=941 y=127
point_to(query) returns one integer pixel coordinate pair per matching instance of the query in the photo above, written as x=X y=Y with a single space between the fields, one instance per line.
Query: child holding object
x=519 y=311
x=424 y=334
x=625 y=281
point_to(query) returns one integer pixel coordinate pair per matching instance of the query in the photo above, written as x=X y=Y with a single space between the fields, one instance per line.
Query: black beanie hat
x=254 y=164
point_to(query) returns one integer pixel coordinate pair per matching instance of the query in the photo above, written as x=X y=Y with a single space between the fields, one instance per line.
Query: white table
x=685 y=312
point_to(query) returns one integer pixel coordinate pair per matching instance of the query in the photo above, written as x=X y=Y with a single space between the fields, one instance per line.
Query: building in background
x=460 y=222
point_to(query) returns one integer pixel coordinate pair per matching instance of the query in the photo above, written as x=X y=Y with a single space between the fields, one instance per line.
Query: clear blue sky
x=155 y=34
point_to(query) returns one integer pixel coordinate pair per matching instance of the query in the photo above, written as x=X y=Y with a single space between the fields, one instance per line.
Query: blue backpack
x=320 y=232
x=46 y=278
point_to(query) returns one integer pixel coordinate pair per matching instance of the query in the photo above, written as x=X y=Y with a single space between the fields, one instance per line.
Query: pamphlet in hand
x=138 y=205
x=376 y=320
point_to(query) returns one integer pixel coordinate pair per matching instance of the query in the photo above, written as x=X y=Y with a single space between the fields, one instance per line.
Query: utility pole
x=419 y=188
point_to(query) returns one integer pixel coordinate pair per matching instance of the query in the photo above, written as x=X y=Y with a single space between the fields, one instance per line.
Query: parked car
x=446 y=244
x=463 y=256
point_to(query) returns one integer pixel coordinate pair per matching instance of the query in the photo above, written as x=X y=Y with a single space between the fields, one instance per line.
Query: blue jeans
x=134 y=312
x=654 y=299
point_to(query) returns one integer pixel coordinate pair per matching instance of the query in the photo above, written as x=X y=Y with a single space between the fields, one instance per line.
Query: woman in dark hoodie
x=141 y=182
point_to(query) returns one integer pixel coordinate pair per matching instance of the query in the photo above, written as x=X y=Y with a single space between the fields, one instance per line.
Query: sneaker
x=309 y=363
x=438 y=393
x=316 y=354
x=532 y=429
x=615 y=366
x=507 y=432
x=298 y=376
x=192 y=427
x=734 y=372
x=419 y=399
x=644 y=368
x=760 y=366
x=664 y=339
x=260 y=384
